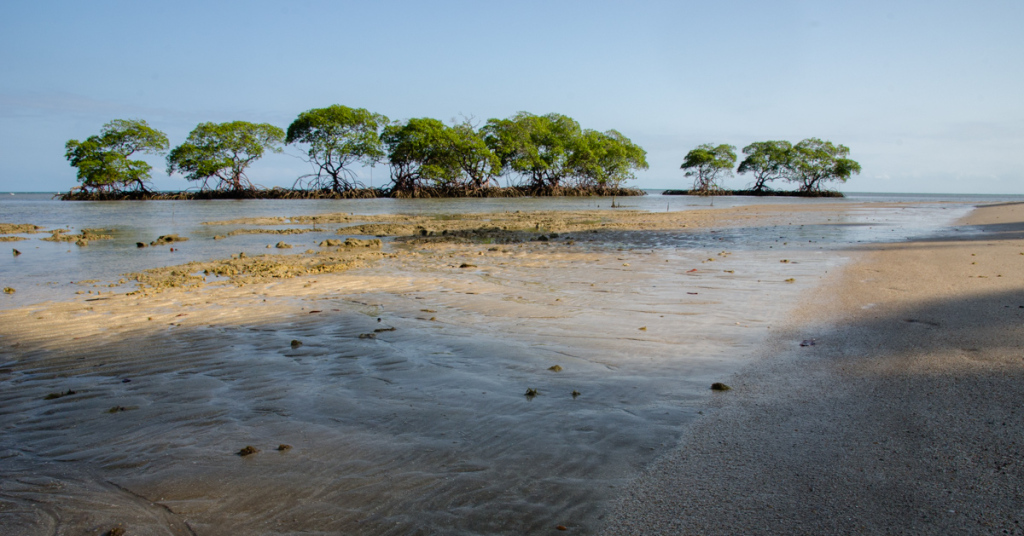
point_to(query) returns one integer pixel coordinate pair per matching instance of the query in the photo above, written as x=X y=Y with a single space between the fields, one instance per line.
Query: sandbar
x=903 y=417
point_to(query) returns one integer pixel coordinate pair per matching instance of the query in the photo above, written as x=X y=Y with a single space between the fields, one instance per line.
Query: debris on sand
x=555 y=368
x=807 y=342
x=296 y=343
x=168 y=239
x=719 y=386
x=9 y=290
x=531 y=392
x=283 y=447
x=54 y=396
x=575 y=393
x=16 y=252
x=351 y=243
x=248 y=450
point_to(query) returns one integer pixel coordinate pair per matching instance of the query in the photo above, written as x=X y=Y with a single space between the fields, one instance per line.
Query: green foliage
x=426 y=152
x=468 y=151
x=605 y=158
x=223 y=151
x=707 y=164
x=416 y=154
x=816 y=162
x=552 y=149
x=338 y=137
x=767 y=161
x=537 y=147
x=102 y=161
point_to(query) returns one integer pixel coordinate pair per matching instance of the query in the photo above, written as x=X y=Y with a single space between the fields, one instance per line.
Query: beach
x=903 y=417
x=390 y=392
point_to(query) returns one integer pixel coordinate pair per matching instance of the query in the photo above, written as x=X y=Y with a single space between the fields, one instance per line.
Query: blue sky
x=927 y=95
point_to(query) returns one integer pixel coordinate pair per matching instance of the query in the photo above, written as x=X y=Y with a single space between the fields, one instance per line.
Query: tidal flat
x=399 y=380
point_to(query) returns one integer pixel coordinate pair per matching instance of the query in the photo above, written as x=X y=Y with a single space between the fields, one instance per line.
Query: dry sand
x=905 y=417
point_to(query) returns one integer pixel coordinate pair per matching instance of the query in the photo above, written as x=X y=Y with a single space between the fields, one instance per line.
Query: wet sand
x=904 y=417
x=397 y=382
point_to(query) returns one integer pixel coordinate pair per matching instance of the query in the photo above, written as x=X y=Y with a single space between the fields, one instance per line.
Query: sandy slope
x=905 y=417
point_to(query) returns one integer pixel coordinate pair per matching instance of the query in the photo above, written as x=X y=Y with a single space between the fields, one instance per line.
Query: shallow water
x=53 y=270
x=421 y=430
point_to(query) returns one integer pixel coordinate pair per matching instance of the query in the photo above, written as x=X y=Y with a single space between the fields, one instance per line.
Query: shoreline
x=903 y=417
x=400 y=385
x=357 y=193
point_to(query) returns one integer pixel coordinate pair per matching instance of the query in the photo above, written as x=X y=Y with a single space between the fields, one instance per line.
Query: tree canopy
x=767 y=161
x=708 y=164
x=223 y=151
x=816 y=162
x=545 y=151
x=536 y=153
x=338 y=137
x=537 y=147
x=416 y=153
x=103 y=162
x=605 y=158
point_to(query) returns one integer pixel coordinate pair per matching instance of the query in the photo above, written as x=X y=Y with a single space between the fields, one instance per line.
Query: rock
x=561 y=527
x=719 y=386
x=16 y=252
x=248 y=450
x=282 y=447
x=807 y=342
x=575 y=393
x=168 y=239
x=282 y=245
x=555 y=368
x=531 y=392
x=367 y=335
x=140 y=245
x=296 y=343
x=357 y=243
x=467 y=265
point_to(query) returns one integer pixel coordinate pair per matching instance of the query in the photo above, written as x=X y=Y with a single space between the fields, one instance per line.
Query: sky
x=927 y=95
